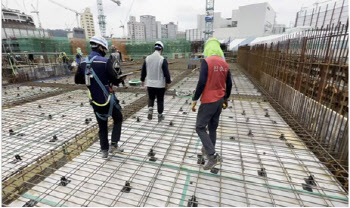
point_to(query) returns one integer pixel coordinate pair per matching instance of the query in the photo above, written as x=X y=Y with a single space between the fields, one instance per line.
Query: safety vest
x=155 y=76
x=216 y=82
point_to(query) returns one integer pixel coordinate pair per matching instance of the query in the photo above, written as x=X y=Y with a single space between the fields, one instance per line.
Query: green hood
x=212 y=47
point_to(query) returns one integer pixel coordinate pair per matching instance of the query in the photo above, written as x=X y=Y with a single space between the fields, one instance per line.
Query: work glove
x=225 y=104
x=193 y=106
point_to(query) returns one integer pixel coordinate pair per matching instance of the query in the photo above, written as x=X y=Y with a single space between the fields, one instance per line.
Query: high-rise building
x=194 y=35
x=180 y=35
x=164 y=30
x=242 y=24
x=150 y=26
x=323 y=14
x=259 y=24
x=159 y=29
x=87 y=23
x=172 y=30
x=169 y=30
x=150 y=29
x=136 y=30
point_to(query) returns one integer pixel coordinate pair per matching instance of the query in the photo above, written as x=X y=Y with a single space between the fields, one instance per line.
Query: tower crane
x=102 y=17
x=209 y=19
x=122 y=26
x=72 y=10
x=36 y=11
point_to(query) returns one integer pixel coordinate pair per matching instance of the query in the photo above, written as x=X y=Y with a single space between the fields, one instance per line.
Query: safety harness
x=108 y=95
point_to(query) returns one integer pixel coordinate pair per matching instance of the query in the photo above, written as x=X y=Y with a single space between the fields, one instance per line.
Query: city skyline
x=183 y=13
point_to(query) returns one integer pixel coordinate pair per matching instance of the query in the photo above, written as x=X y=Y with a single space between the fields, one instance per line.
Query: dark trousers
x=158 y=93
x=208 y=115
x=103 y=125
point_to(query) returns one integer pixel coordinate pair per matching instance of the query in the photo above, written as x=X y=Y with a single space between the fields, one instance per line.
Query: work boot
x=212 y=161
x=115 y=148
x=104 y=154
x=204 y=152
x=160 y=117
x=150 y=113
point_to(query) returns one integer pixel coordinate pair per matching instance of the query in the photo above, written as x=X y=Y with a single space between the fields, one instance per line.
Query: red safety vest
x=216 y=82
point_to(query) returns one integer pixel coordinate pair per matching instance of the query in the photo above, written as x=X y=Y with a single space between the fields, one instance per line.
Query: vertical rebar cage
x=307 y=74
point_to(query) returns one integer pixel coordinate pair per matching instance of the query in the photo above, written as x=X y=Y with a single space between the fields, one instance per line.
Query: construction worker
x=98 y=74
x=79 y=56
x=120 y=55
x=156 y=73
x=116 y=59
x=65 y=60
x=214 y=87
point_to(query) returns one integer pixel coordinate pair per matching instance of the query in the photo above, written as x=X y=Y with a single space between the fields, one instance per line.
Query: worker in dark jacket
x=156 y=73
x=116 y=60
x=214 y=86
x=78 y=56
x=98 y=74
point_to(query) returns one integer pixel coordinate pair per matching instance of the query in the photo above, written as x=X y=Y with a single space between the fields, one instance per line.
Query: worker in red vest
x=214 y=86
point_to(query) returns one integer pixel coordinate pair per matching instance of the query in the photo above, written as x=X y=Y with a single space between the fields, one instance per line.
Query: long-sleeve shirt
x=164 y=68
x=203 y=76
x=103 y=68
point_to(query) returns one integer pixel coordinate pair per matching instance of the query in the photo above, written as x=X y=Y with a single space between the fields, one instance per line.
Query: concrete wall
x=37 y=72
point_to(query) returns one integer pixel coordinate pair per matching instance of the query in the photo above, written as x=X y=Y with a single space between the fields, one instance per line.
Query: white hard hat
x=159 y=43
x=98 y=40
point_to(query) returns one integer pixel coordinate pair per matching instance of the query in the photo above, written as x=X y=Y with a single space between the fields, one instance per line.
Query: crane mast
x=209 y=19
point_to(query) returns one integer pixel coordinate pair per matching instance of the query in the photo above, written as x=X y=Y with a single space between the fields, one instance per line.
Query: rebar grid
x=14 y=94
x=37 y=172
x=307 y=75
x=175 y=176
x=241 y=86
x=34 y=129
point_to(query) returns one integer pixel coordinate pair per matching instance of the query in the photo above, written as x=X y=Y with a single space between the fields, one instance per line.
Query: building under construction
x=283 y=137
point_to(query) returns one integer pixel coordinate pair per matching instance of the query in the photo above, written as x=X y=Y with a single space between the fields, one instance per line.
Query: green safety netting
x=172 y=48
x=175 y=48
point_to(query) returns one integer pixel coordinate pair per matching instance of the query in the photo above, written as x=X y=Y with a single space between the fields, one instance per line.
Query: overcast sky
x=183 y=12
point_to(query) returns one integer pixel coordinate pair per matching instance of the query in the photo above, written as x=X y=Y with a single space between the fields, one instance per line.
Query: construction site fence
x=307 y=73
